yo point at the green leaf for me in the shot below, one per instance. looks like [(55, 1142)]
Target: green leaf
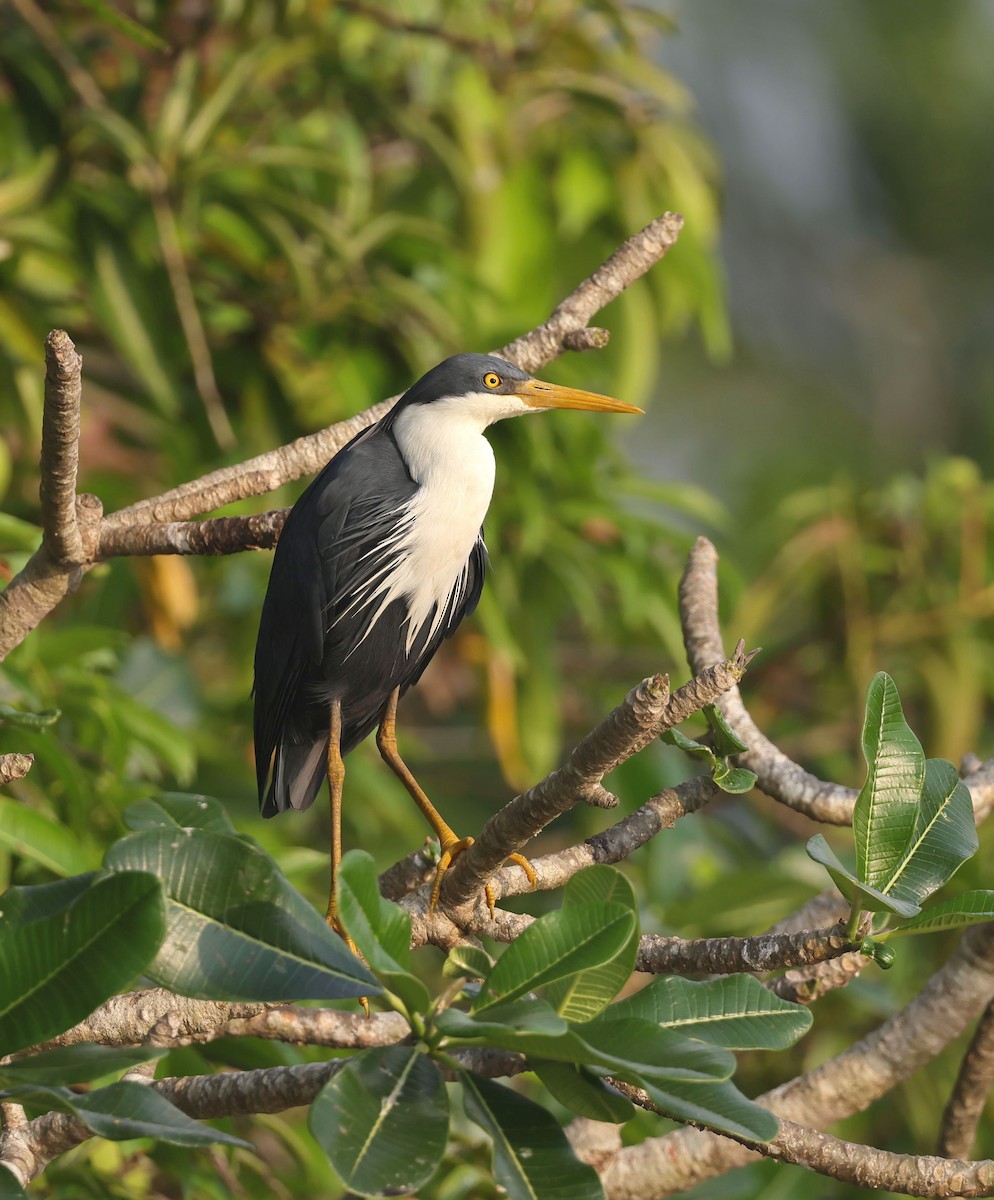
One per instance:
[(19, 905), (734, 780), (236, 928), (470, 962), (172, 810), (557, 946), (383, 1121), (720, 1106), (75, 1064), (675, 738), (28, 720), (528, 1026), (126, 1110), (944, 836), (970, 908), (532, 1158), (581, 1091), (582, 996), (380, 928), (887, 805), (32, 834), (634, 1049), (57, 969), (854, 891), (735, 1011), (724, 739)]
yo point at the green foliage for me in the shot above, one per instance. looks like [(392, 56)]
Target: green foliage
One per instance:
[(913, 822), (203, 911), (723, 744)]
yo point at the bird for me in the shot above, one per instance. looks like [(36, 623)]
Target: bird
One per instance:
[(379, 561)]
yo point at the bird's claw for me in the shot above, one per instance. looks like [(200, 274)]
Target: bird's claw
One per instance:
[(448, 855)]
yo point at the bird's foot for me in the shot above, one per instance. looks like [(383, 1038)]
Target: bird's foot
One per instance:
[(331, 919), (450, 850)]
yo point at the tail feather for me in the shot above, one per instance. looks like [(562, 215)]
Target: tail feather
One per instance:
[(298, 772)]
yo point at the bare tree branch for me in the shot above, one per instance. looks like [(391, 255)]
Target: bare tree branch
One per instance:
[(969, 1096), (727, 955), (646, 712), (779, 776)]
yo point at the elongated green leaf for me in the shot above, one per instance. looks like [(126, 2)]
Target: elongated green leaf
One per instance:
[(726, 741), (236, 928), (581, 1091), (125, 1110), (41, 838), (383, 1121), (582, 996), (720, 1106), (172, 810), (675, 738), (885, 811), (381, 929), (28, 720), (631, 1046), (532, 1158), (943, 838), (970, 908), (736, 1012), (18, 905), (57, 969), (847, 883), (557, 946), (504, 1024), (75, 1064)]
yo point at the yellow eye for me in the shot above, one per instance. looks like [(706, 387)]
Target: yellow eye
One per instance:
[(491, 380)]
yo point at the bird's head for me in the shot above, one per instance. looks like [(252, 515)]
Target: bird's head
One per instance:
[(489, 389)]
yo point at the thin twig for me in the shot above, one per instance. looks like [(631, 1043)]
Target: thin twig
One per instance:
[(60, 449)]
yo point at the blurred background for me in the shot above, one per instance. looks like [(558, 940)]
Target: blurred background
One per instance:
[(255, 218)]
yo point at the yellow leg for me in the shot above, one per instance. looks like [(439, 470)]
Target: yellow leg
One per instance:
[(336, 784), (451, 844)]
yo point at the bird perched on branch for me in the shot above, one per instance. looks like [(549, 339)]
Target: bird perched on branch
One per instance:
[(379, 560)]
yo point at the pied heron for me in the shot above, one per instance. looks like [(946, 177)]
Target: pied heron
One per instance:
[(379, 560)]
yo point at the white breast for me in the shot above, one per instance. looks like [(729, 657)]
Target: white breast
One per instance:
[(453, 464)]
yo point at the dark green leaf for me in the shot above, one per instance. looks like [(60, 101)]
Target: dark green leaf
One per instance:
[(675, 738), (720, 1106), (735, 1011), (944, 836), (970, 908), (557, 946), (236, 928), (18, 905), (847, 883), (75, 1064), (381, 929), (532, 1158), (57, 969), (582, 996), (630, 1047), (10, 1189), (171, 810), (887, 805), (724, 739), (581, 1091), (383, 1121)]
